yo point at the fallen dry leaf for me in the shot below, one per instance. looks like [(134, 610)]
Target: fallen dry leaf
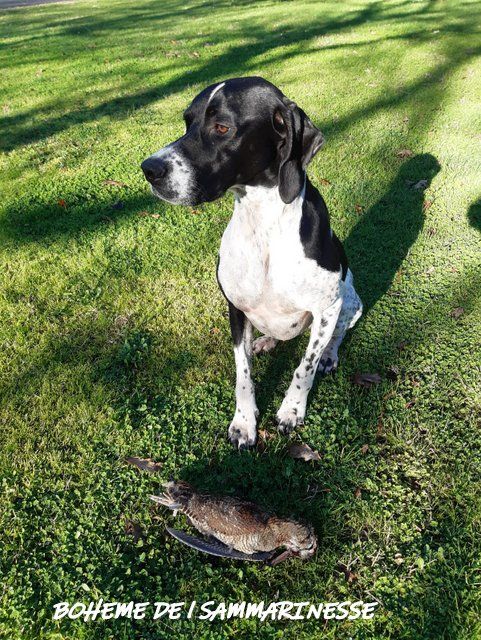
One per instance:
[(133, 529), (303, 452), (404, 153), (427, 204), (61, 203), (196, 54), (113, 183), (144, 464), (325, 182), (457, 312), (357, 493), (366, 379), (430, 270), (358, 208), (348, 574), (195, 211), (364, 449), (265, 435)]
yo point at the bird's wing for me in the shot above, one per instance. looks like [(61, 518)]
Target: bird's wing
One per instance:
[(228, 516), (216, 548)]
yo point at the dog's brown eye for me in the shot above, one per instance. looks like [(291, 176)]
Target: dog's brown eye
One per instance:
[(220, 128), (279, 119)]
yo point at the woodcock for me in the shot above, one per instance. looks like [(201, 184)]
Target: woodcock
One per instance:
[(236, 528)]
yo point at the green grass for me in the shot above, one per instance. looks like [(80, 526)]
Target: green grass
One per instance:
[(115, 341)]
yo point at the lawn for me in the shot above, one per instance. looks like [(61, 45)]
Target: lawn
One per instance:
[(115, 340)]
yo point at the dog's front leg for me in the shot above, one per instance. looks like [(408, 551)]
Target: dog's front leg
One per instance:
[(293, 407), (242, 431)]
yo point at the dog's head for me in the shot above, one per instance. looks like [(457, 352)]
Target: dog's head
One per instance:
[(243, 131)]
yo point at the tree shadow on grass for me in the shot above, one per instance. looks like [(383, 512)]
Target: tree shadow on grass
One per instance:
[(18, 4), (28, 220), (18, 129), (474, 215)]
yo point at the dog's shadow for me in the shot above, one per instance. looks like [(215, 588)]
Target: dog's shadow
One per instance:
[(376, 248)]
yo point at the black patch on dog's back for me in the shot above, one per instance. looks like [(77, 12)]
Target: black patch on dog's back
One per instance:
[(315, 231)]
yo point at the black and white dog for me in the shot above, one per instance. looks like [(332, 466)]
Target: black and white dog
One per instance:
[(281, 267)]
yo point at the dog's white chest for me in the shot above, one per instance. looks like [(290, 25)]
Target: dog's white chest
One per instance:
[(263, 269)]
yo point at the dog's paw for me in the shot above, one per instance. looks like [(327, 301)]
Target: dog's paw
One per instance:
[(288, 418), (327, 365), (264, 344), (242, 433)]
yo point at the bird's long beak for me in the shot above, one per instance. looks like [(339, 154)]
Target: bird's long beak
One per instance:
[(288, 553)]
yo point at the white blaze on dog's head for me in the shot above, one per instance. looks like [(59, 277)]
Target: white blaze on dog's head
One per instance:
[(215, 90)]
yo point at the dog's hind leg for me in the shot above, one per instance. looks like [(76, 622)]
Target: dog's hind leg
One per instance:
[(350, 313), (263, 344)]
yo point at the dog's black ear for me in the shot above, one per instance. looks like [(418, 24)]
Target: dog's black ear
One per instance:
[(299, 143)]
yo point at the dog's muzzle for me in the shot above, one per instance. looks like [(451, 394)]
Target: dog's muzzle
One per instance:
[(170, 175)]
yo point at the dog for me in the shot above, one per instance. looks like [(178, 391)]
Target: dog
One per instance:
[(281, 268)]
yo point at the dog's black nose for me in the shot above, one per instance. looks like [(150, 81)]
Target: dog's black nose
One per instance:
[(155, 169)]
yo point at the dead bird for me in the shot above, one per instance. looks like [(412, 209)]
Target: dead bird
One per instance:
[(236, 528)]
